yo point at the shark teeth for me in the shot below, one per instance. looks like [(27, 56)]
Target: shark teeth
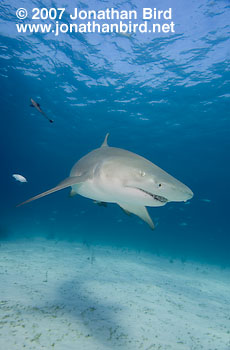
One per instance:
[(155, 196), (160, 198)]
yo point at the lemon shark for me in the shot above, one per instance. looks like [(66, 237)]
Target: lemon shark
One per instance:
[(114, 175)]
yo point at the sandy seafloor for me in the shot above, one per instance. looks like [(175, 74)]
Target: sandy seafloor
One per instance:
[(70, 296)]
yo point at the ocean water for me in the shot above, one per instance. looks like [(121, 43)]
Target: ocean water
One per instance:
[(165, 96)]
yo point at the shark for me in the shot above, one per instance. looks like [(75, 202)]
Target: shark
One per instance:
[(115, 175)]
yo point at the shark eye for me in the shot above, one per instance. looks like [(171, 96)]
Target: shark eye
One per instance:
[(142, 173), (159, 185)]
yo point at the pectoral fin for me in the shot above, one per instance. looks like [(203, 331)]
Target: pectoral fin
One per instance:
[(70, 181), (125, 211), (138, 210)]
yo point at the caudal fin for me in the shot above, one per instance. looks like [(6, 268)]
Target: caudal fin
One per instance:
[(73, 180)]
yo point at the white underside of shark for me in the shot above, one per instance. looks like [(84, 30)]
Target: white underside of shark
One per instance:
[(114, 175)]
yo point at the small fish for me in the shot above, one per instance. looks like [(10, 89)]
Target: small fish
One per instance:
[(183, 224), (38, 108), (101, 204), (206, 200), (125, 34), (20, 178)]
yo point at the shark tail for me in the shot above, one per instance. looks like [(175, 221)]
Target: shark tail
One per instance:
[(70, 181)]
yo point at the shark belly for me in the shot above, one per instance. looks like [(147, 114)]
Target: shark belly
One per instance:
[(114, 192), (89, 190)]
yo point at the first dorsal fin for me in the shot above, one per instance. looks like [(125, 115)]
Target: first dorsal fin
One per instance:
[(105, 144)]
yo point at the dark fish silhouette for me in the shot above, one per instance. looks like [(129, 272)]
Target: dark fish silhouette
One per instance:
[(38, 108)]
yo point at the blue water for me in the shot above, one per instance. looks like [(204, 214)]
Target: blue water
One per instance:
[(163, 96)]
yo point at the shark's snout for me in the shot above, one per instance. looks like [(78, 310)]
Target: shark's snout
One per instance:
[(182, 194), (187, 195), (190, 194)]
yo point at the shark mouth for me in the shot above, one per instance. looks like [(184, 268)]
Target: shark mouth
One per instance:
[(155, 196)]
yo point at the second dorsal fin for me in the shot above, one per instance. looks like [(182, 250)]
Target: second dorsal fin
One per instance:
[(105, 144)]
